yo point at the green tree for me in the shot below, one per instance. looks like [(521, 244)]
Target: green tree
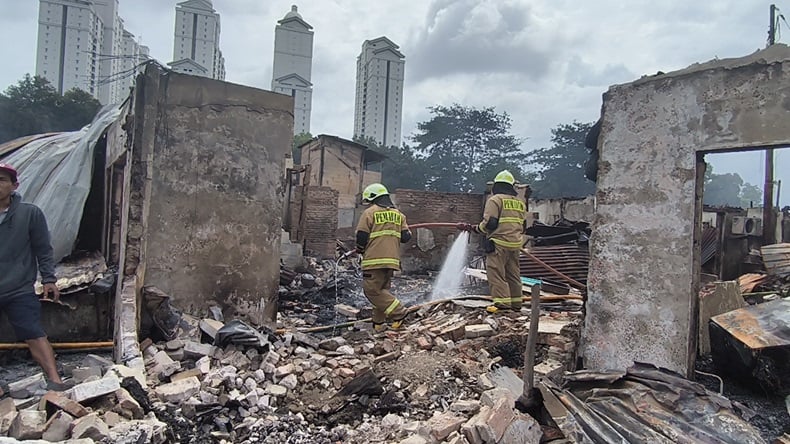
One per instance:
[(729, 190), (33, 106), (299, 140), (402, 168), (560, 168), (463, 146)]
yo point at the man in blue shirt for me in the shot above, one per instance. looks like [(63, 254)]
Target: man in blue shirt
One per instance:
[(26, 251)]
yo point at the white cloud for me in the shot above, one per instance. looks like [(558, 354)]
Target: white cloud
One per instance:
[(543, 61)]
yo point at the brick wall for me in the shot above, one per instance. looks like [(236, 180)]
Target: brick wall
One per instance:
[(319, 221), (429, 247)]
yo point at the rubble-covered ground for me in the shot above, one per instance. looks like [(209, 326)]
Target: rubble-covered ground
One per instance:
[(324, 377)]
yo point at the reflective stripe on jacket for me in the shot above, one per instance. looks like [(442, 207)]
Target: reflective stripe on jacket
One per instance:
[(385, 226), (511, 213)]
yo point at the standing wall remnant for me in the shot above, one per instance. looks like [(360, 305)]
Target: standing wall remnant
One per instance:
[(643, 282), (207, 192), (429, 247)]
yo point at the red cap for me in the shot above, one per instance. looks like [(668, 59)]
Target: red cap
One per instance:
[(10, 170)]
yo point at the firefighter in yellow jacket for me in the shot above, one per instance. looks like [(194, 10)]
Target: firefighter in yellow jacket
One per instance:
[(503, 225), (381, 230)]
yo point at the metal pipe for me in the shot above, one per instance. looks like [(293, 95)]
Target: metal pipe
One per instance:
[(532, 341), (60, 345)]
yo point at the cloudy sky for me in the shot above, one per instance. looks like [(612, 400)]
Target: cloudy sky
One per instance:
[(544, 62)]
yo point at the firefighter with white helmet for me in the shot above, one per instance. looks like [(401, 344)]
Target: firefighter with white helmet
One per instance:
[(381, 230)]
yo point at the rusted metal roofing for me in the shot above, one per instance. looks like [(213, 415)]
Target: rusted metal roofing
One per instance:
[(570, 259), (759, 326), (644, 404)]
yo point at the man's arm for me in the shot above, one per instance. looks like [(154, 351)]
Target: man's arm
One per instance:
[(490, 218), (42, 247), (405, 233), (363, 232)]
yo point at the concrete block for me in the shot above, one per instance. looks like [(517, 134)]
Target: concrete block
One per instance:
[(27, 387), (7, 407), (284, 370), (173, 345), (97, 361), (471, 428), (127, 406), (94, 389), (523, 430), (52, 402), (469, 407), (186, 374), (346, 350), (499, 419), (332, 344), (478, 331), (164, 365), (6, 420), (347, 311), (90, 426), (122, 371), (81, 374), (56, 428), (387, 357), (197, 350), (179, 391), (28, 424), (210, 327), (726, 297), (276, 390), (112, 419), (490, 397), (290, 382), (441, 425), (203, 364), (306, 340), (550, 369)]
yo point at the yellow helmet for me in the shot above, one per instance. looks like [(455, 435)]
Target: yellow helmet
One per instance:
[(506, 177), (373, 191)]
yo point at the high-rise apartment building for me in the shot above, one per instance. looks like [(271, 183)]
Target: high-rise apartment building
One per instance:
[(379, 97), (196, 44), (69, 38), (293, 64), (82, 44)]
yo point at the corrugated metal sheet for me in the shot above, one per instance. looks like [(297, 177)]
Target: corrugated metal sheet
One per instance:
[(13, 145), (710, 243), (759, 326), (55, 174), (572, 260), (645, 404)]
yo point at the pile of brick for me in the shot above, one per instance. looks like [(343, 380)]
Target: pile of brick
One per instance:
[(295, 388)]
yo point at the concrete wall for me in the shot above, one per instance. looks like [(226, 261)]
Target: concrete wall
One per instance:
[(340, 166), (210, 170), (643, 280), (429, 247), (552, 210)]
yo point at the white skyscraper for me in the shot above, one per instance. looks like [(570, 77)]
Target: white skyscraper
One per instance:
[(81, 44), (196, 44), (379, 98), (293, 62), (69, 39), (108, 54)]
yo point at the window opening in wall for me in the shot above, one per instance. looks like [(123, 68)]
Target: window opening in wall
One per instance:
[(743, 208)]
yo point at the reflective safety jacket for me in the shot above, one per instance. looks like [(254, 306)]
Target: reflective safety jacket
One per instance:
[(503, 221), (386, 226)]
